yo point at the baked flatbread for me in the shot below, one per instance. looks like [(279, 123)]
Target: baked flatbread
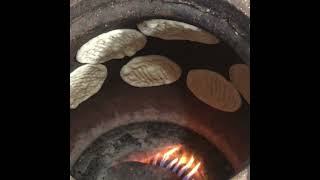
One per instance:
[(114, 44), (214, 90), (240, 78), (174, 30), (151, 70), (86, 81)]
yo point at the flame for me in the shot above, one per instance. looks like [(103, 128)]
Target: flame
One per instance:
[(177, 162), (192, 172), (167, 155), (186, 167), (170, 152), (182, 160), (172, 163), (156, 159)]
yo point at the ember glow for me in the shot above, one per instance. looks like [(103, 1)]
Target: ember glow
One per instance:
[(177, 161)]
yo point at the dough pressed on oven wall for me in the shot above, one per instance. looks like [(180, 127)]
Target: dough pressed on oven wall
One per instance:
[(240, 77), (114, 44), (150, 70), (86, 81), (174, 30), (214, 90)]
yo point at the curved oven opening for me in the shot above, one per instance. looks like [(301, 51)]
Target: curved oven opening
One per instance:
[(118, 104)]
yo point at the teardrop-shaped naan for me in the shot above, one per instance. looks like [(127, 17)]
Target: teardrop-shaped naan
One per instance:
[(86, 81), (240, 77), (214, 90), (174, 30), (151, 70), (114, 44)]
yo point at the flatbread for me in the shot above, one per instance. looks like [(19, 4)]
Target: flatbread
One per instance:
[(214, 90), (240, 78), (174, 30), (151, 70), (114, 44), (86, 81)]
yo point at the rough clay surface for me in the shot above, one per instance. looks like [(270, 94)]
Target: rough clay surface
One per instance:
[(114, 44), (139, 171), (86, 81), (174, 30), (240, 77), (214, 90), (151, 70)]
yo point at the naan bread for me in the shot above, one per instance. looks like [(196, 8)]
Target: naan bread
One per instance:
[(151, 70), (86, 81), (240, 78), (114, 44), (174, 30), (214, 90)]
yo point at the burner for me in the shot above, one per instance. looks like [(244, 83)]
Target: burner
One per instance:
[(150, 146), (176, 161)]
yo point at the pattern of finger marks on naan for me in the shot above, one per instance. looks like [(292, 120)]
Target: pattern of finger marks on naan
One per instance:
[(114, 44), (214, 90), (86, 81), (174, 30), (151, 70), (240, 78)]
